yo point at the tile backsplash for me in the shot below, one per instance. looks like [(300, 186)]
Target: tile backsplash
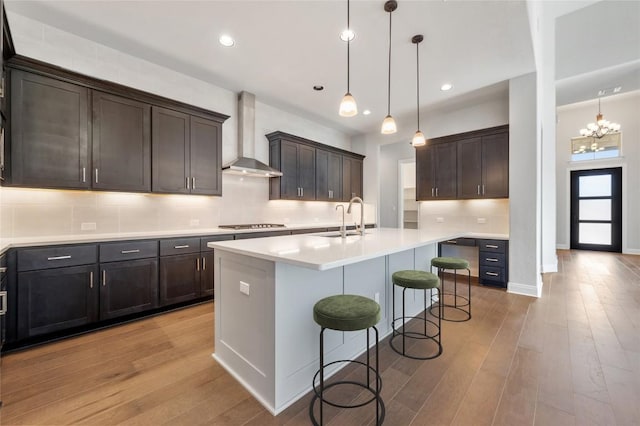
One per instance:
[(482, 216), (43, 212)]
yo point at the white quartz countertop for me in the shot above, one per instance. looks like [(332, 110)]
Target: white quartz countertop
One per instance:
[(7, 243), (319, 252)]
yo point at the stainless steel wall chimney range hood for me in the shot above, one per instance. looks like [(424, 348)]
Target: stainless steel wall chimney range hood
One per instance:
[(245, 165)]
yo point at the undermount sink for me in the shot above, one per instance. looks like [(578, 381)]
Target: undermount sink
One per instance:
[(348, 234)]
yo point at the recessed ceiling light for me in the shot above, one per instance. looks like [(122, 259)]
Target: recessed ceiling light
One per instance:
[(446, 86), (347, 35), (602, 92), (617, 89), (226, 40), (318, 87), (366, 112)]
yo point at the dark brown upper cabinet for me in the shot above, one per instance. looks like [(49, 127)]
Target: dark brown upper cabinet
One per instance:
[(71, 131), (351, 178), (311, 170), (187, 153), (483, 166), (328, 176), (436, 171), (49, 139), (121, 144)]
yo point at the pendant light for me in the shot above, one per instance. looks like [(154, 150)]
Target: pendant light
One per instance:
[(348, 107), (418, 138), (389, 124)]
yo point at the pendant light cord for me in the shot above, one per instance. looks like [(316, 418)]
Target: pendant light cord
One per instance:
[(389, 74), (348, 44), (418, 82)]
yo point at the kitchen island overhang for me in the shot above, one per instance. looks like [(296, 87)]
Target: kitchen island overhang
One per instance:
[(265, 290)]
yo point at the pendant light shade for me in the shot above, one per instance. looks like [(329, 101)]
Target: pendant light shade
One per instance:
[(348, 107), (389, 124), (418, 138)]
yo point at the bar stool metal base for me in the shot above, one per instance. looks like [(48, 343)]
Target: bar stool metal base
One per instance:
[(319, 389), (436, 337), (466, 300)]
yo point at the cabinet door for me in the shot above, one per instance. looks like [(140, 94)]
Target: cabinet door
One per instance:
[(128, 287), (206, 274), (206, 157), (56, 299), (121, 143), (289, 188), (49, 136), (425, 183), (445, 166), (495, 165), (356, 178), (179, 278), (307, 172), (170, 159), (470, 168), (328, 176)]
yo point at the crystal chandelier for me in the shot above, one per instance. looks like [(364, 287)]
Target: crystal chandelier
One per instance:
[(600, 128)]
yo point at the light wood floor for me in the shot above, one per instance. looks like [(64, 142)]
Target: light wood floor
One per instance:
[(570, 357)]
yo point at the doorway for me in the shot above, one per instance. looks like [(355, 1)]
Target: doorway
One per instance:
[(408, 206), (596, 209)]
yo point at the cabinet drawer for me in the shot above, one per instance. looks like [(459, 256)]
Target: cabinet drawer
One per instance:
[(205, 240), (128, 251), (496, 246), (496, 260), (488, 273), (179, 246), (56, 257)]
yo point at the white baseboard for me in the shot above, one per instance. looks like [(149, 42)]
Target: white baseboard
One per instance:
[(550, 267), (525, 289), (631, 251), (562, 246)]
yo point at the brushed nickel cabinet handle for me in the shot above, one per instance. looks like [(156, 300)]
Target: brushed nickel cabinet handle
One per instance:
[(104, 277), (478, 189), (130, 251), (3, 295), (482, 189), (302, 192), (193, 183), (187, 182), (452, 242), (3, 269), (96, 175), (204, 263), (84, 174), (493, 274), (436, 191), (491, 246), (491, 259), (432, 195), (198, 264), (91, 279), (58, 257), (181, 247)]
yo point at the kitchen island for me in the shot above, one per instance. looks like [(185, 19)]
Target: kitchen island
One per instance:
[(265, 290)]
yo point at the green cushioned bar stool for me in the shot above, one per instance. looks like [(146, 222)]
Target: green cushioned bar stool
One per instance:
[(347, 312), (418, 280), (459, 309)]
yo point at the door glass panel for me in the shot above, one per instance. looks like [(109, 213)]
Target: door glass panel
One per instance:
[(595, 209), (595, 233), (595, 186)]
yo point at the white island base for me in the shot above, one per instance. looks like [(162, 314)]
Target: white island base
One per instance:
[(267, 339)]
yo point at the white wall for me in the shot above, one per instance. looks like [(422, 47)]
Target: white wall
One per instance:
[(32, 212), (625, 110)]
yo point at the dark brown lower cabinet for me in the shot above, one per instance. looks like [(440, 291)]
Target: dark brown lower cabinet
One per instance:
[(206, 274), (128, 287), (56, 299), (179, 278)]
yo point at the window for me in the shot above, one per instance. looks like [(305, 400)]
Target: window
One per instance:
[(587, 148)]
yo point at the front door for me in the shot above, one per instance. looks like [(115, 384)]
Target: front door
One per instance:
[(596, 209)]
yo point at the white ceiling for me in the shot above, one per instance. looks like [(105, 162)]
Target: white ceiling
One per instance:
[(283, 48)]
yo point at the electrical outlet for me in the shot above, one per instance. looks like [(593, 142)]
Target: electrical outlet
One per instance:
[(88, 226), (194, 222), (482, 220), (376, 297), (244, 288), (440, 219)]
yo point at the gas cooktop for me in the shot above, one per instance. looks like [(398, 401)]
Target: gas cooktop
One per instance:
[(253, 226)]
